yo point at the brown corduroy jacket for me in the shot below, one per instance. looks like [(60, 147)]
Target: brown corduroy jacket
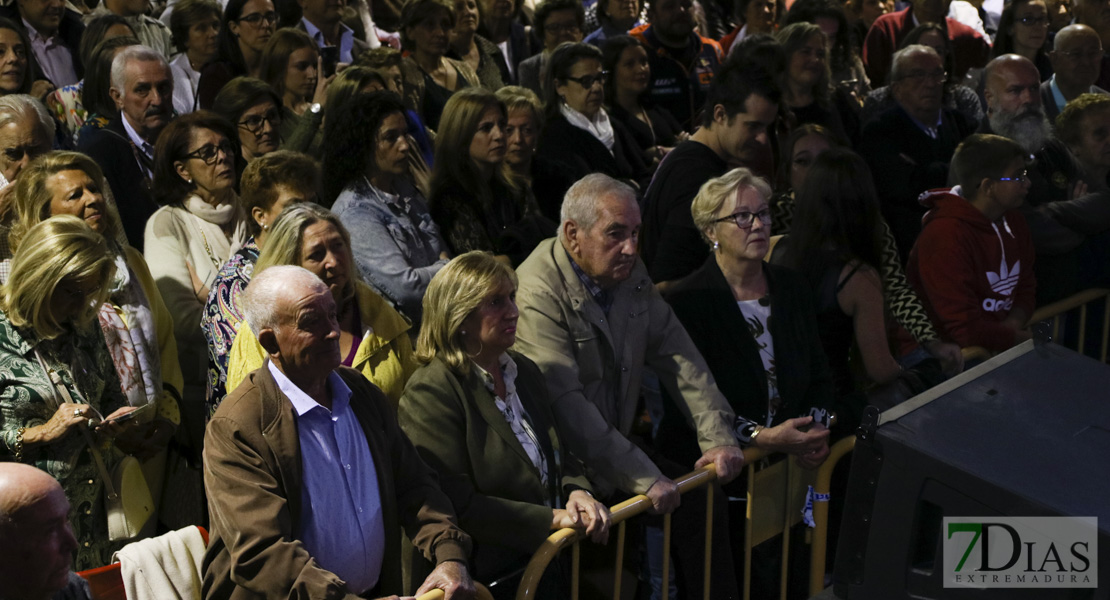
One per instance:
[(253, 474)]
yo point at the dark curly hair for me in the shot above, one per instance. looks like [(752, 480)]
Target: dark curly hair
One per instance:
[(351, 131)]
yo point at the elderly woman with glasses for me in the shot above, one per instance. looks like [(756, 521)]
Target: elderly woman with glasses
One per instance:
[(755, 325), (62, 272), (579, 135), (199, 226), (255, 110), (373, 336), (479, 414)]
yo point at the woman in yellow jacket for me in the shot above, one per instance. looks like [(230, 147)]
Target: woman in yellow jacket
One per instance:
[(373, 336)]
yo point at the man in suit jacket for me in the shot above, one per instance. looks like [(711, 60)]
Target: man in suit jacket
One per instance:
[(969, 48), (276, 449), (55, 34), (592, 320), (124, 149), (1076, 60), (323, 22), (908, 147)]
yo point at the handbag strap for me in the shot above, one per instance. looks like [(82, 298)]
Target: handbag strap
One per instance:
[(60, 388)]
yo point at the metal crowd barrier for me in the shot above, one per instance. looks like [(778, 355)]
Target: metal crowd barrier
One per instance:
[(621, 513), (1055, 313)]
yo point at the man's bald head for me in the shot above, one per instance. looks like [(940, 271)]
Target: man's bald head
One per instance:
[(1076, 59), (36, 540)]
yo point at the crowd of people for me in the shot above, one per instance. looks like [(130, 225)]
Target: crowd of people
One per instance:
[(382, 293)]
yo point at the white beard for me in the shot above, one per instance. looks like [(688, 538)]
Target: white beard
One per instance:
[(1029, 129)]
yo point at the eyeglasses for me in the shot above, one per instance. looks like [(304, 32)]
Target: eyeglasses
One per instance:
[(588, 81), (1033, 21), (254, 18), (209, 152), (923, 76), (255, 123), (1019, 178), (561, 28), (745, 219), (1088, 54)]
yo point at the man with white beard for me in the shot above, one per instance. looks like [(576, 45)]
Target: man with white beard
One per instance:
[(1070, 228)]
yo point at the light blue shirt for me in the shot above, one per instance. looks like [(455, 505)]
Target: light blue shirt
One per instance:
[(341, 523), (346, 39)]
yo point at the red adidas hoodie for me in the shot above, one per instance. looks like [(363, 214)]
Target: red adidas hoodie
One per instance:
[(970, 273)]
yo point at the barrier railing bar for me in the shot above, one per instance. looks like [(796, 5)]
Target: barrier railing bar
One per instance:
[(708, 538), (821, 514), (1082, 327), (575, 562), (666, 556), (1106, 329), (618, 569)]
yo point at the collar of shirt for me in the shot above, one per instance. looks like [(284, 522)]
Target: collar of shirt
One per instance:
[(508, 374), (1057, 95), (136, 139), (302, 402), (346, 39), (36, 37), (932, 131), (603, 297)]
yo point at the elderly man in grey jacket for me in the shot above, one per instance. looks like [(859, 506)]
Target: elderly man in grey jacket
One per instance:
[(592, 320)]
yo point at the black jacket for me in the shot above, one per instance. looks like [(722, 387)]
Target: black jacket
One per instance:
[(580, 153), (111, 148), (704, 303)]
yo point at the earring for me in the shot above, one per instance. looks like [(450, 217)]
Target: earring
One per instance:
[(462, 331), (716, 246)]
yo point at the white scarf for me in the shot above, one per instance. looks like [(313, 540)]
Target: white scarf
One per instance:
[(600, 127), (220, 215)]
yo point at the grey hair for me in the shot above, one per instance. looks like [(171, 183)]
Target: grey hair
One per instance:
[(581, 202), (261, 309), (129, 54), (16, 108), (900, 57)]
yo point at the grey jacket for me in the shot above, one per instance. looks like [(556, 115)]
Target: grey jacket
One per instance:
[(396, 244), (593, 365)]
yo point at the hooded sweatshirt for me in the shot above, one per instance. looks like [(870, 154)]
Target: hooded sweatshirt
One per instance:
[(971, 273)]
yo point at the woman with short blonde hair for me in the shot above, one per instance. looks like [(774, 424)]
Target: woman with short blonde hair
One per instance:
[(373, 336), (478, 413)]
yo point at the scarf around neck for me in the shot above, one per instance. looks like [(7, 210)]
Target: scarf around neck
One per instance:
[(599, 127)]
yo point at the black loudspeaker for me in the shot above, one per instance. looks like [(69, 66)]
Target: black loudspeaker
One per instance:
[(1026, 434)]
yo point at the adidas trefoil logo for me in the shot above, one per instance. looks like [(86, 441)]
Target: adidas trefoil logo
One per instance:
[(1002, 283)]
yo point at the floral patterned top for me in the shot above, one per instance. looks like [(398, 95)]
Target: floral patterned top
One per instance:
[(82, 361), (222, 316), (68, 109)]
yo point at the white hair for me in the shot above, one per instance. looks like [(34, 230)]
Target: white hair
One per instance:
[(900, 57), (21, 107), (581, 204), (261, 308), (133, 54)]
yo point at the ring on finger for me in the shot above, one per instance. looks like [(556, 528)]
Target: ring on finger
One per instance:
[(77, 412)]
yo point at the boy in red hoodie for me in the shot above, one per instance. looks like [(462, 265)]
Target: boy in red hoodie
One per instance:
[(973, 262)]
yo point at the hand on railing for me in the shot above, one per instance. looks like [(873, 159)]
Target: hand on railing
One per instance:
[(664, 496), (586, 513), (729, 461), (453, 578)]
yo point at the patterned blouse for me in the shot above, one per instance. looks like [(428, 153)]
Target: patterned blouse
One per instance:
[(82, 361), (222, 316)]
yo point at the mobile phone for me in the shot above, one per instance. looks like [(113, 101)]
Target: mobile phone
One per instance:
[(330, 56), (143, 414)]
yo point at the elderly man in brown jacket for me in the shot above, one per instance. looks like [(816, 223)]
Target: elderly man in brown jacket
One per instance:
[(592, 320), (309, 477)]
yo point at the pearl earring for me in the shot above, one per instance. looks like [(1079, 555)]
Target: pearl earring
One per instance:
[(716, 246), (462, 331)]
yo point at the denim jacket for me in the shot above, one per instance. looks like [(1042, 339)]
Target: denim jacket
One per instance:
[(396, 244)]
